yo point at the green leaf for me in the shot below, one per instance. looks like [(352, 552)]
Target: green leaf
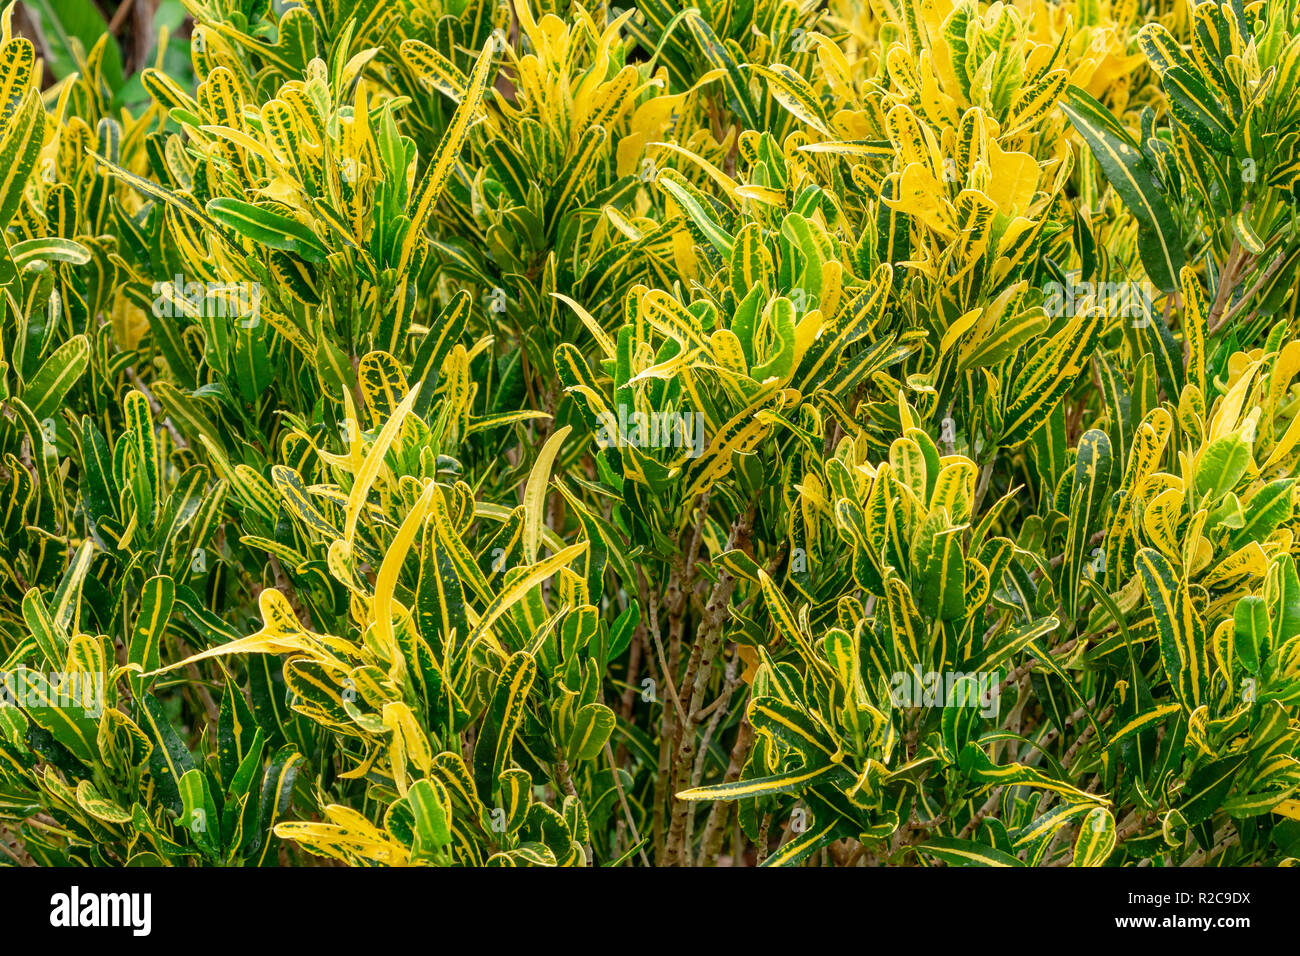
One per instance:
[(592, 727), (796, 780), (1088, 497), (267, 228), (49, 249), (956, 852), (1096, 839), (695, 211), (156, 602), (19, 149), (199, 813), (432, 816), (1250, 629), (1207, 788), (169, 760), (1221, 466), (1181, 630), (56, 376), (504, 714), (1196, 108), (1134, 179)]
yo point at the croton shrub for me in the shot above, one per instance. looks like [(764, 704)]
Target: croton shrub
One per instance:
[(524, 433)]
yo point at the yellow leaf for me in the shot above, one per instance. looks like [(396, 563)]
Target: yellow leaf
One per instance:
[(535, 493), (921, 195), (1013, 179), (958, 329)]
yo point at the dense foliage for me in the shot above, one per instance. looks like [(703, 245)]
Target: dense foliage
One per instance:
[(511, 432)]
